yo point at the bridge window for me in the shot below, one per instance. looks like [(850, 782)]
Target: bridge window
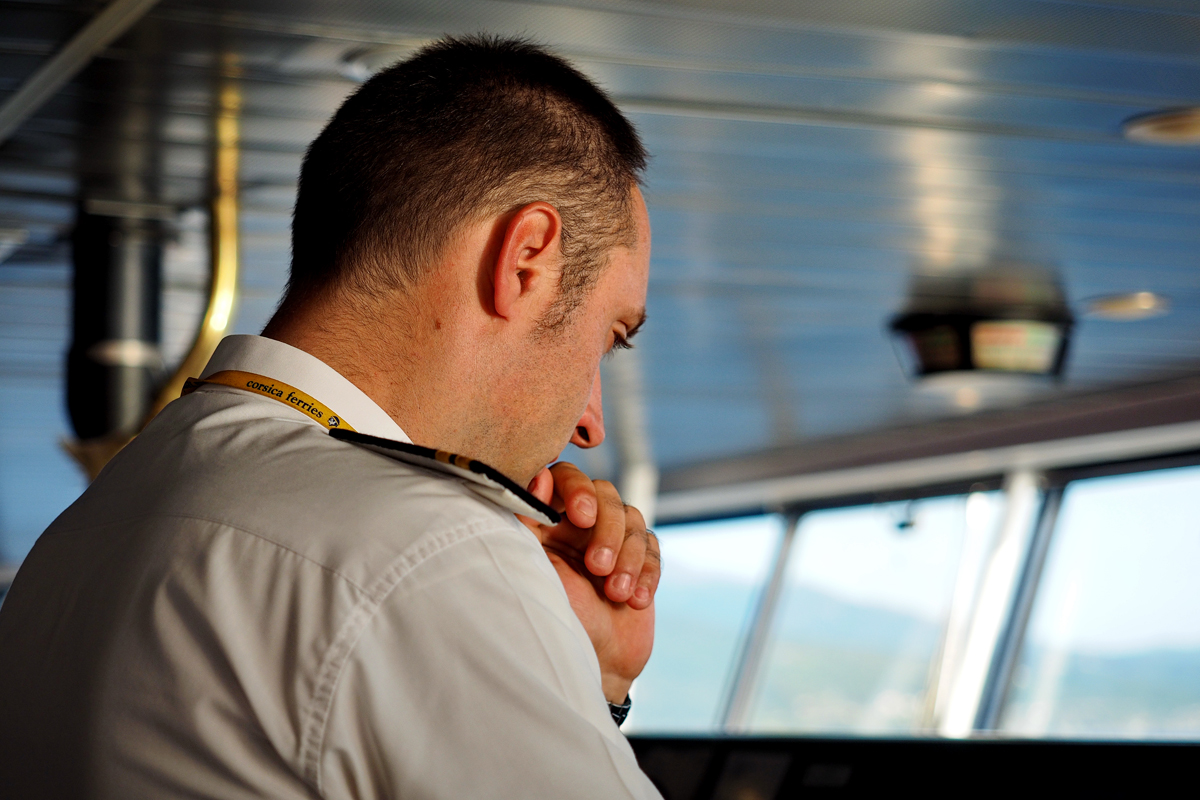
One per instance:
[(865, 613), (712, 575), (1113, 643)]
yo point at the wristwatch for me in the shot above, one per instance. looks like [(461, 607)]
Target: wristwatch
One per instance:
[(620, 712)]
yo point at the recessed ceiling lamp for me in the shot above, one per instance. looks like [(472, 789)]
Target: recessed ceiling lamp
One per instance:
[(1174, 126), (1128, 307), (11, 240), (361, 63)]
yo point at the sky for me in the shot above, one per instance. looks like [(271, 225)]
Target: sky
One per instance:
[(1122, 572)]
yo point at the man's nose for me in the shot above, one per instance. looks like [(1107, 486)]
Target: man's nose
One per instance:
[(589, 431)]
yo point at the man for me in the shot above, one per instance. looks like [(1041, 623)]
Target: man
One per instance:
[(272, 592)]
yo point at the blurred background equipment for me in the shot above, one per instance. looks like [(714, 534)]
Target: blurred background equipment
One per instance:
[(1004, 318), (996, 335), (115, 364)]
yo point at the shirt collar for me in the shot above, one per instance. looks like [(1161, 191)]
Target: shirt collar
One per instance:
[(309, 374)]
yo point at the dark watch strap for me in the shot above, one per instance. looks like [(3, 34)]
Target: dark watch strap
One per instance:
[(620, 712)]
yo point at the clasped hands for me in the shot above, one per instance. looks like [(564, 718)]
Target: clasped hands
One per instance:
[(609, 564)]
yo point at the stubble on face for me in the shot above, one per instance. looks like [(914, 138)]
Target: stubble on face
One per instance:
[(528, 395), (564, 363)]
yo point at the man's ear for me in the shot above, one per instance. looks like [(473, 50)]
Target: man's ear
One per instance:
[(526, 272)]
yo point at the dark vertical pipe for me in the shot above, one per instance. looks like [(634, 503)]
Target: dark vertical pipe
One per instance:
[(114, 364)]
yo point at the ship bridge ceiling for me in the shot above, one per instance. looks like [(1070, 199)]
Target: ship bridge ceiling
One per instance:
[(807, 159)]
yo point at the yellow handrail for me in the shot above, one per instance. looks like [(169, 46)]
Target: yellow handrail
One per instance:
[(223, 233)]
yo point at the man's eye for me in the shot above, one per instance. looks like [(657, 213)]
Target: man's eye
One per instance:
[(619, 343)]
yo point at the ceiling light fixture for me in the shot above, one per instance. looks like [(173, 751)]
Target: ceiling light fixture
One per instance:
[(1005, 319), (1128, 307), (1174, 126)]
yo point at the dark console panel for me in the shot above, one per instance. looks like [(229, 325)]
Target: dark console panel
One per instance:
[(759, 768)]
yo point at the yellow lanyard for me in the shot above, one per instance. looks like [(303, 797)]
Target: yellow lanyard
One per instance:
[(276, 390)]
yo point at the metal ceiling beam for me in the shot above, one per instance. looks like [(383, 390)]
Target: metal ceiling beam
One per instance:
[(978, 464), (1079, 415), (66, 64)]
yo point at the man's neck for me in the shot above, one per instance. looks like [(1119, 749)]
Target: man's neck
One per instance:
[(388, 354)]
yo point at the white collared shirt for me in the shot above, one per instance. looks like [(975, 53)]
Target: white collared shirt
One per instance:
[(242, 606)]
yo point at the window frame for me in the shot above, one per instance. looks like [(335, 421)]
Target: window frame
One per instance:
[(1020, 592)]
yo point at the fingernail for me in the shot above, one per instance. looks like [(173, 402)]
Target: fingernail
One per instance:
[(642, 594), (622, 583), (587, 507), (604, 558)]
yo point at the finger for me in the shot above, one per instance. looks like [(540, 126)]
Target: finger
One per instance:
[(621, 583), (542, 486), (608, 534), (577, 494), (647, 582)]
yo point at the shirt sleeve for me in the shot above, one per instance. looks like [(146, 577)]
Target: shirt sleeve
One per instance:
[(474, 679)]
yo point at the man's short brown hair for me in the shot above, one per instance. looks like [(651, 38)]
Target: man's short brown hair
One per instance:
[(465, 129)]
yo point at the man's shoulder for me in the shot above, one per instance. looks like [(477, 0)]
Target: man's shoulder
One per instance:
[(289, 483)]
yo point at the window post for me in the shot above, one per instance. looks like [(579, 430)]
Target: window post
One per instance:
[(993, 605), (735, 711)]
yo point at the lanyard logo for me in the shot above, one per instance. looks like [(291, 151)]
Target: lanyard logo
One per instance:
[(276, 390)]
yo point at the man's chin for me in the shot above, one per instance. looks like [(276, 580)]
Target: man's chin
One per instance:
[(522, 467)]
